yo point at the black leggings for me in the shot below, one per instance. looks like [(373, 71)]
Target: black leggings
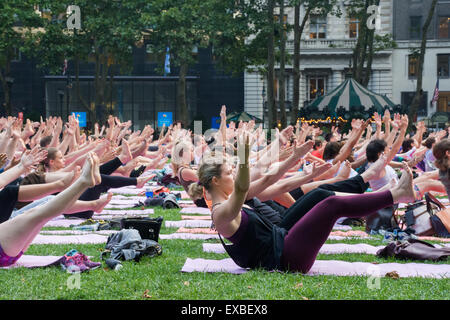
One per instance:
[(306, 202), (8, 200), (94, 193), (111, 166)]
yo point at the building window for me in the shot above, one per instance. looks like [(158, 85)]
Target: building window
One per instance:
[(316, 87), (443, 65), (415, 28), (413, 66), (443, 27), (354, 26), (318, 27)]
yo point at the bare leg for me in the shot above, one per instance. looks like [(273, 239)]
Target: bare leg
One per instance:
[(430, 185), (141, 181), (31, 192), (94, 205), (16, 234), (58, 175), (285, 199)]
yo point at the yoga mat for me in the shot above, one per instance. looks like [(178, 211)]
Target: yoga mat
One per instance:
[(64, 222), (129, 198), (196, 218), (126, 212), (187, 205), (127, 191), (115, 202), (77, 232), (207, 224), (185, 201), (81, 239), (197, 210), (337, 248), (28, 261), (332, 267), (188, 236), (189, 224), (196, 230)]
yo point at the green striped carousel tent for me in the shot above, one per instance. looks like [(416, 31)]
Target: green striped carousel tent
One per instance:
[(350, 94)]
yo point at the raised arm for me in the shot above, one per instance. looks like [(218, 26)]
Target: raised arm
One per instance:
[(227, 215), (278, 172), (400, 138)]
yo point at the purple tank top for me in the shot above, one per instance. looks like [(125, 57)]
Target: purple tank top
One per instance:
[(237, 236)]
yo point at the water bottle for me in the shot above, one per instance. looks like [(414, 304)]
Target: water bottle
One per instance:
[(114, 264), (149, 193), (90, 227)]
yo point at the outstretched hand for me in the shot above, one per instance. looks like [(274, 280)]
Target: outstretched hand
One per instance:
[(300, 150), (31, 158)]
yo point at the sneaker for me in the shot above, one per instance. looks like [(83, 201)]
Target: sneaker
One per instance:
[(73, 265), (83, 259)]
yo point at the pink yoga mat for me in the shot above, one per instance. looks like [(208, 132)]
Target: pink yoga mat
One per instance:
[(337, 248), (81, 239), (332, 267), (189, 224), (27, 261), (126, 212), (196, 210), (196, 218), (64, 222), (77, 232), (188, 236)]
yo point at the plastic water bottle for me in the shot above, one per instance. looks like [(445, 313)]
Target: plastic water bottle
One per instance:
[(114, 264)]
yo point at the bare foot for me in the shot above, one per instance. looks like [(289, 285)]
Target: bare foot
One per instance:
[(344, 173), (141, 181), (404, 191), (87, 174), (331, 172), (375, 170), (97, 176), (102, 202), (125, 155)]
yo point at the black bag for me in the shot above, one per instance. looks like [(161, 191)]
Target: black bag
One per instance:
[(382, 219), (148, 227), (419, 215)]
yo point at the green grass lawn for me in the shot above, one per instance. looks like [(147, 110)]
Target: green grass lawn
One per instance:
[(160, 278)]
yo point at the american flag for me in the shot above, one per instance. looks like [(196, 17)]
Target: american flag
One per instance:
[(436, 92)]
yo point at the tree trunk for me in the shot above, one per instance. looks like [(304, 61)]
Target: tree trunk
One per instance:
[(282, 79), (298, 31), (272, 111), (419, 92), (368, 70), (181, 95), (359, 53)]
